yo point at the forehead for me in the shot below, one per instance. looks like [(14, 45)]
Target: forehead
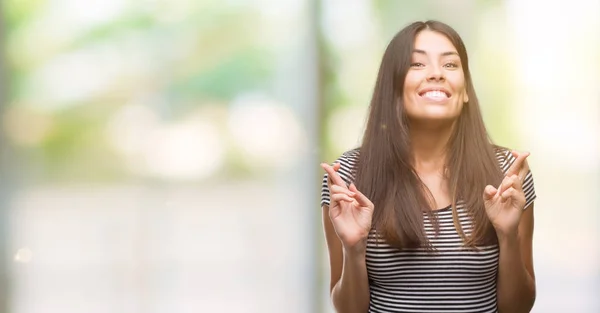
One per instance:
[(433, 42)]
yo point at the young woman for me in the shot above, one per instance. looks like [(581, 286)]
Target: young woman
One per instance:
[(427, 215)]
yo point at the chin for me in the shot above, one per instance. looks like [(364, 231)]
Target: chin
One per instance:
[(434, 119), (436, 115)]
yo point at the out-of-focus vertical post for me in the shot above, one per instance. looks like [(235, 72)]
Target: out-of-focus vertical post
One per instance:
[(316, 34), (5, 178)]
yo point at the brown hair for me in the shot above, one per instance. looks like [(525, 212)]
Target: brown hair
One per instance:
[(385, 173)]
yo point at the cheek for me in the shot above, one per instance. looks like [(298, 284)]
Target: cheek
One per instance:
[(411, 83), (462, 86)]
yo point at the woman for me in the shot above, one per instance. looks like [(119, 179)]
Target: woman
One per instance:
[(428, 215)]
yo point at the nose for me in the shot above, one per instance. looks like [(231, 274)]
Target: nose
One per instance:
[(435, 74)]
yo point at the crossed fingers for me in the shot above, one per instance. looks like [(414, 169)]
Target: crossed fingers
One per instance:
[(519, 166)]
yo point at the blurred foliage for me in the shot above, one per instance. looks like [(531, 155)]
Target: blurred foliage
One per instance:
[(246, 70), (332, 97), (19, 12), (207, 54)]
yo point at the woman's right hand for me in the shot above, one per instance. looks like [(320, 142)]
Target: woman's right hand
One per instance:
[(350, 211)]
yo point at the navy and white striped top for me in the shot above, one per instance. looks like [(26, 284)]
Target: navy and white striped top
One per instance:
[(450, 279)]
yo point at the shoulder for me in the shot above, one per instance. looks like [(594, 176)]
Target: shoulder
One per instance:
[(348, 162), (504, 157), (350, 156)]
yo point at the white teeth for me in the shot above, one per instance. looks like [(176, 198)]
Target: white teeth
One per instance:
[(435, 94)]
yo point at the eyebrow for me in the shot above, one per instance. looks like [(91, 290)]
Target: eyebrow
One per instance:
[(419, 51)]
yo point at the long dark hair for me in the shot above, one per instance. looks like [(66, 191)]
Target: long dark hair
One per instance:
[(385, 172)]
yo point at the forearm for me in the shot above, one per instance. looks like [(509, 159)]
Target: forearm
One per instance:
[(351, 293), (516, 287)]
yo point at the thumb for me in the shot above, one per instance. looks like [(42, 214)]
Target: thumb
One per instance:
[(489, 192)]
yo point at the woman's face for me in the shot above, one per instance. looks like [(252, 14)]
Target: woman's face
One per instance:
[(434, 88)]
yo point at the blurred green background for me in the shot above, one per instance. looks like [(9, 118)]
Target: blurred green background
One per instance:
[(162, 156)]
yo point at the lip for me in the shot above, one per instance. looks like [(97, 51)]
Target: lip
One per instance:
[(442, 89)]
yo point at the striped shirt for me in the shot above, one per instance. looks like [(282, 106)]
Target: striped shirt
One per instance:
[(449, 279)]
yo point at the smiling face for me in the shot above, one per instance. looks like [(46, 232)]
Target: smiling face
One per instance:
[(434, 88)]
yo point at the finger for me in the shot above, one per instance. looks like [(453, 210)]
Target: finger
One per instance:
[(506, 183), (524, 169), (330, 185), (508, 194), (329, 182), (489, 192), (515, 168), (360, 197), (336, 166), (510, 182), (523, 172), (337, 197), (333, 175), (340, 189)]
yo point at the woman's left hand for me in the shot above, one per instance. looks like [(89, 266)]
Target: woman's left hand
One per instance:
[(504, 205)]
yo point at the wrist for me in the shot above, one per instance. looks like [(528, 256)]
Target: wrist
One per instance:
[(358, 250), (354, 259), (510, 237)]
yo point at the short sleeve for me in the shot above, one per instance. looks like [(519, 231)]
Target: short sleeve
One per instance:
[(346, 171), (528, 185)]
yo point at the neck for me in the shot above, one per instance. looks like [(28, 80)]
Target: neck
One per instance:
[(429, 148)]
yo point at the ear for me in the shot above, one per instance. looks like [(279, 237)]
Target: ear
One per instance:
[(465, 96)]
